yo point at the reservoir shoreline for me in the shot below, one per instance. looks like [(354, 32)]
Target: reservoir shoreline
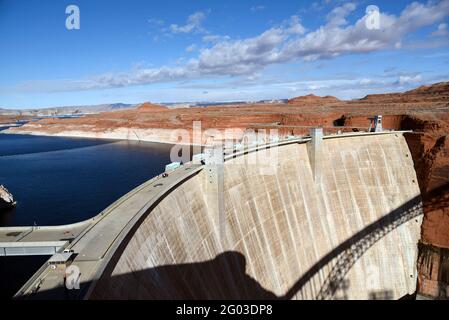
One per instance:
[(154, 135)]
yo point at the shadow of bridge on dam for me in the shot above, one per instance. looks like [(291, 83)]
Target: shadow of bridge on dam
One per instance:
[(225, 277)]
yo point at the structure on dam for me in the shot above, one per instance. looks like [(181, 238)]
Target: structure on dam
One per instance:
[(333, 217)]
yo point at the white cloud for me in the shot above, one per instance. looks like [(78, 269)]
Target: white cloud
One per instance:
[(293, 26), (156, 22), (193, 24), (441, 31), (406, 80), (337, 17), (342, 87), (258, 8), (191, 48), (365, 81), (242, 56), (213, 38), (335, 38), (286, 43)]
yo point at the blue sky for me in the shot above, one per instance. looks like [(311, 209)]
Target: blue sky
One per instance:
[(210, 50)]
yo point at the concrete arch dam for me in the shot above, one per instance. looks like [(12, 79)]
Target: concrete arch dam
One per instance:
[(331, 218)]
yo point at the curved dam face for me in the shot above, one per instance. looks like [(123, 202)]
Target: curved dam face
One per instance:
[(350, 232)]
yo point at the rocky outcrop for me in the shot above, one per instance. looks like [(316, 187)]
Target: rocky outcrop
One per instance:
[(429, 145), (438, 92), (5, 119), (6, 199), (313, 99), (148, 106), (433, 266)]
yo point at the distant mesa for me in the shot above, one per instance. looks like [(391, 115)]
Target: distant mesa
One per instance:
[(148, 106), (312, 99), (436, 88), (437, 92)]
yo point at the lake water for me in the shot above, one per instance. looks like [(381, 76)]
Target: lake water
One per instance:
[(66, 180)]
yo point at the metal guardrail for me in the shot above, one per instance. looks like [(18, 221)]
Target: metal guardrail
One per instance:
[(31, 248)]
